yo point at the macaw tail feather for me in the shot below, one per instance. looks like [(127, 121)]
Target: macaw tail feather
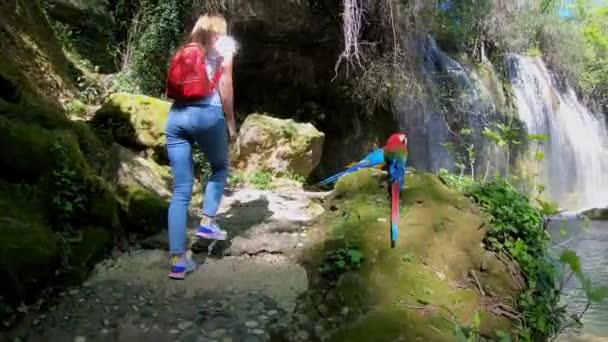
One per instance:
[(395, 190), (340, 174)]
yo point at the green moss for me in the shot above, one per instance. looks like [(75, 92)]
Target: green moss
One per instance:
[(31, 55), (28, 248), (36, 116), (103, 206), (134, 121), (94, 243), (409, 292), (143, 211)]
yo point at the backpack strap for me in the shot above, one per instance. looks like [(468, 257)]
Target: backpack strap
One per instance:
[(216, 76)]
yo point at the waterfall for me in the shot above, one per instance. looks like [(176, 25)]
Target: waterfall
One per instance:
[(575, 167), (455, 98)]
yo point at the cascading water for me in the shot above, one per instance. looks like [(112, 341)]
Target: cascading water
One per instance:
[(456, 99), (575, 167)]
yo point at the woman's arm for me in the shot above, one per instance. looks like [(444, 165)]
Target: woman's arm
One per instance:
[(227, 96)]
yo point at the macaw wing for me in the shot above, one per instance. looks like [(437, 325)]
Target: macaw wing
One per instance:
[(373, 159)]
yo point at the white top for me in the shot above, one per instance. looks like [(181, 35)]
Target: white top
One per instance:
[(222, 51)]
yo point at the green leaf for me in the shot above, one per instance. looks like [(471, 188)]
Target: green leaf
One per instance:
[(475, 321), (355, 256), (599, 294), (570, 258), (539, 156), (538, 137)]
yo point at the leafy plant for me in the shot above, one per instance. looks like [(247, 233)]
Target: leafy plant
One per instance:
[(261, 180), (76, 108), (201, 165), (69, 200), (339, 261), (518, 229), (504, 136), (235, 178), (295, 177), (153, 30), (468, 333)]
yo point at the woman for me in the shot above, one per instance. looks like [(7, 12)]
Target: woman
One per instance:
[(201, 122)]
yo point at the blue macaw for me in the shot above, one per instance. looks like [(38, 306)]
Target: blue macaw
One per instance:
[(373, 159)]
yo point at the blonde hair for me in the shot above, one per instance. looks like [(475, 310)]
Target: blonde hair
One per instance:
[(207, 26)]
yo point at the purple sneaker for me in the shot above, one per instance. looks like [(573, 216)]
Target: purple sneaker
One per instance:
[(180, 267), (211, 231)]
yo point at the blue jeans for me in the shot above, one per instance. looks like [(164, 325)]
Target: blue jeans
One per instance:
[(204, 125)]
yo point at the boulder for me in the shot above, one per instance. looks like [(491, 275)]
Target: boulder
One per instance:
[(281, 147), (143, 190), (134, 121), (599, 214), (125, 168)]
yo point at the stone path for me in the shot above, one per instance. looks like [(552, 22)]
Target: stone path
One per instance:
[(245, 290)]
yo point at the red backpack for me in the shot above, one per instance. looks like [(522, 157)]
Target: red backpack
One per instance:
[(187, 79)]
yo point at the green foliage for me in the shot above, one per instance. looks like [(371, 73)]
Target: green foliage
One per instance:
[(461, 183), (295, 177), (468, 333), (235, 178), (76, 108), (463, 23), (69, 200), (339, 261), (201, 165), (160, 31), (518, 229), (261, 180)]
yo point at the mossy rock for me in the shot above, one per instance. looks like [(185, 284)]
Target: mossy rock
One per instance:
[(599, 214), (32, 57), (125, 169), (134, 121), (29, 251), (281, 147), (34, 116), (55, 162), (143, 211), (93, 245), (422, 288)]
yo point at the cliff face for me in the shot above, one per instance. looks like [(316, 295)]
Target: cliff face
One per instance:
[(31, 58)]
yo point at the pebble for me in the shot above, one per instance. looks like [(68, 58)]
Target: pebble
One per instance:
[(318, 329), (251, 324), (106, 322), (258, 331), (104, 331), (173, 331), (303, 335), (272, 312), (217, 333), (227, 339), (80, 339), (185, 325), (263, 317), (73, 292)]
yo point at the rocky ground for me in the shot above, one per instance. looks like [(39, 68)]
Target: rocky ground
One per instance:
[(244, 290)]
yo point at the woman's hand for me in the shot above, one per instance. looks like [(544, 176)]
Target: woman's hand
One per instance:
[(231, 133)]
